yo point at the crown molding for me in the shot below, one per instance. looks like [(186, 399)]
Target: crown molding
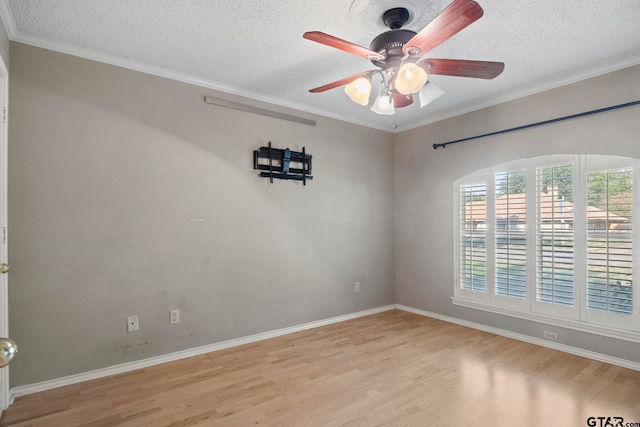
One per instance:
[(180, 77), (553, 83), (7, 19), (556, 82)]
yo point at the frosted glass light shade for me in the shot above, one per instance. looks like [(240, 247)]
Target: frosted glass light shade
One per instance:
[(410, 78), (383, 105), (429, 93), (359, 90)]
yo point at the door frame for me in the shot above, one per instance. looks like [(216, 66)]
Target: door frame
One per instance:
[(5, 396)]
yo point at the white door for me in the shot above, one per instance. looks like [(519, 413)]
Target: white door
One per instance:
[(4, 316)]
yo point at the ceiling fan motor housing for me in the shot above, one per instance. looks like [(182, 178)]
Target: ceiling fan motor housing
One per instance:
[(390, 45), (391, 42)]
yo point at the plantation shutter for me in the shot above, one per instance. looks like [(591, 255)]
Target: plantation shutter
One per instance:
[(610, 241), (555, 234), (511, 234), (473, 237)]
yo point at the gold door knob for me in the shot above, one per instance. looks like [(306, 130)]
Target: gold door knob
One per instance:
[(4, 268)]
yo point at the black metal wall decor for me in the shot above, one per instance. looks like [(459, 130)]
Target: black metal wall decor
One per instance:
[(279, 162)]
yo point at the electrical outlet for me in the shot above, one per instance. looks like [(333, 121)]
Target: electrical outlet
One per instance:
[(132, 324), (357, 289), (174, 317), (552, 336)]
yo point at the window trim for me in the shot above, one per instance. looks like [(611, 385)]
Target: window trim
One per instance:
[(578, 317)]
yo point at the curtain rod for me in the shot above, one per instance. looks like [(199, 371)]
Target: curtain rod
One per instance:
[(545, 122)]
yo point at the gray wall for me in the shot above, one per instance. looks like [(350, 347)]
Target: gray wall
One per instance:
[(129, 195), (424, 186)]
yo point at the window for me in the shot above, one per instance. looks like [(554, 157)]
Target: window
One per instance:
[(554, 234), (551, 238), (511, 233), (473, 258), (609, 238)]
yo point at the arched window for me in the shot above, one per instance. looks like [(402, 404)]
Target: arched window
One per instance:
[(552, 237)]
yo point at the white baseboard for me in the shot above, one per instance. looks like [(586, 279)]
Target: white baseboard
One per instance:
[(526, 338), (152, 361), (183, 354)]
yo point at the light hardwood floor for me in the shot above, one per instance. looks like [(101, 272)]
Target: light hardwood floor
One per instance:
[(389, 369)]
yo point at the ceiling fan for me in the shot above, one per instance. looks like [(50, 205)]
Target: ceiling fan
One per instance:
[(397, 54)]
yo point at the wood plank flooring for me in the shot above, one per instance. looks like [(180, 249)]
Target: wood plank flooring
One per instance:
[(389, 369)]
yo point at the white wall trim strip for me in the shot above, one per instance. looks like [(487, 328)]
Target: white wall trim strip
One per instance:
[(526, 338), (152, 361), (554, 321), (183, 354)]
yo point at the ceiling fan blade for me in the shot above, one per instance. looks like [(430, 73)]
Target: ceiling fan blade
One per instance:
[(457, 16), (400, 100), (338, 83), (349, 47), (462, 68)]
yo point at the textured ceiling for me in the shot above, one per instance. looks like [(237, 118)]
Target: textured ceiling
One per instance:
[(255, 48)]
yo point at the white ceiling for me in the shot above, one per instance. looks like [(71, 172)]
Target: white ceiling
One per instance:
[(255, 48)]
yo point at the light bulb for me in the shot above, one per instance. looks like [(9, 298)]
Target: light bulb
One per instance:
[(383, 105), (359, 90), (410, 78)]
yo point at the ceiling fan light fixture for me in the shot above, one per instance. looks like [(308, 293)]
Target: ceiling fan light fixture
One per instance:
[(397, 53), (359, 90), (410, 78), (429, 93), (383, 105)]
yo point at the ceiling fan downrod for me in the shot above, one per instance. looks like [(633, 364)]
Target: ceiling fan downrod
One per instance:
[(395, 18)]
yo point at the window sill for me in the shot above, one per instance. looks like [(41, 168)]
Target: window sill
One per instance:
[(554, 321)]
